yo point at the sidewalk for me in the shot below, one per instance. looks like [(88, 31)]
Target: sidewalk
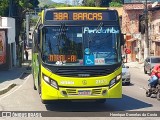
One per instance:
[(14, 77)]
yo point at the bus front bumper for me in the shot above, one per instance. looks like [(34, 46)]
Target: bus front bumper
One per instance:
[(69, 93)]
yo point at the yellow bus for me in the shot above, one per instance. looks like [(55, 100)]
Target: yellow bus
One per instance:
[(77, 54)]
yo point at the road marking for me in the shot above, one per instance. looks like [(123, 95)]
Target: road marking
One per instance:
[(15, 89)]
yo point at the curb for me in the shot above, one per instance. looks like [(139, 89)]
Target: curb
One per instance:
[(12, 85), (3, 91)]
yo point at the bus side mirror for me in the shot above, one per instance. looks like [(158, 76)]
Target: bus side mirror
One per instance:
[(40, 28), (122, 41)]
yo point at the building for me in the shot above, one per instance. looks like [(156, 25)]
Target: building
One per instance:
[(135, 40), (154, 31), (130, 27)]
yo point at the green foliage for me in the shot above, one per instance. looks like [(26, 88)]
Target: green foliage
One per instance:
[(18, 11), (33, 22), (90, 3), (58, 5), (115, 4), (45, 3), (117, 1), (51, 4), (4, 7)]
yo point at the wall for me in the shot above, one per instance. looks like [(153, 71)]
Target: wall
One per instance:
[(155, 31), (10, 23), (130, 27)]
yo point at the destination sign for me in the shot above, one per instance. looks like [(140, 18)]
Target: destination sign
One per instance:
[(80, 15), (67, 58)]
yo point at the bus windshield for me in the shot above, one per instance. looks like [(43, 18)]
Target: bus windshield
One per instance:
[(81, 45)]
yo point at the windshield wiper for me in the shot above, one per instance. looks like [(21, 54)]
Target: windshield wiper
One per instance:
[(90, 38), (99, 26), (61, 35)]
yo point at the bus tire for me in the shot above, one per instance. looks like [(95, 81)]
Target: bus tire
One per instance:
[(40, 92), (34, 86), (39, 85)]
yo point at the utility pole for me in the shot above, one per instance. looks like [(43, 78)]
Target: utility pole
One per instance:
[(10, 8), (27, 29), (146, 41)]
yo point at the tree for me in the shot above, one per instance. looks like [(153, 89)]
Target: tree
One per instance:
[(19, 13), (17, 9), (90, 3), (116, 3), (58, 5), (4, 7)]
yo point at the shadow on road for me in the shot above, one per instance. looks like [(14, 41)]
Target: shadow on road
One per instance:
[(124, 104), (14, 73), (124, 84)]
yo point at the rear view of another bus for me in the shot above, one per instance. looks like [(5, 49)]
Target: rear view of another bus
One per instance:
[(77, 54)]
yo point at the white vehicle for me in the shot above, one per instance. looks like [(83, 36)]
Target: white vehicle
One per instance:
[(126, 76), (150, 62)]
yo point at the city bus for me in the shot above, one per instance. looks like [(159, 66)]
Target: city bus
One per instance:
[(76, 54)]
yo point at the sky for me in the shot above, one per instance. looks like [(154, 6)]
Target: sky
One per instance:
[(63, 1)]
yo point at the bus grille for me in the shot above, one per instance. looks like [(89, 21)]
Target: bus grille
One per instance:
[(71, 92), (83, 72), (97, 91)]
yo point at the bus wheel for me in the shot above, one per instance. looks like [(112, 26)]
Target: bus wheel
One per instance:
[(39, 85), (34, 86), (101, 101)]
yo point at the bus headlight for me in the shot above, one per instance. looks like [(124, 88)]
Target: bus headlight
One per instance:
[(50, 81), (54, 84), (115, 80), (112, 82)]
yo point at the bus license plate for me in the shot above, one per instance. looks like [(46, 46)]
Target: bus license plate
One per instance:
[(84, 92)]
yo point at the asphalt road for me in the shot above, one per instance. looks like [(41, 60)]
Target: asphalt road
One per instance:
[(24, 98)]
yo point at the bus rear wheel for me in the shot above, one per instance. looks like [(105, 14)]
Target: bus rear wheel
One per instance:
[(34, 86)]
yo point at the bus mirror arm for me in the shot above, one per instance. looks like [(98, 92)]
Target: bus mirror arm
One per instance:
[(122, 39), (39, 48)]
